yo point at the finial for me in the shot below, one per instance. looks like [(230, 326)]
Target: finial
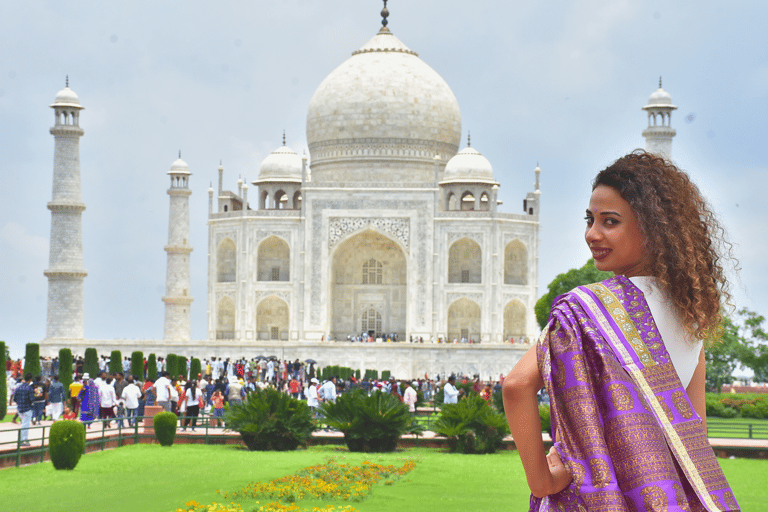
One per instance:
[(283, 137), (220, 163), (659, 82), (179, 153), (67, 81), (468, 140), (384, 14)]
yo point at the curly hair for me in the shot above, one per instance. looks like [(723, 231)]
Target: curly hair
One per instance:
[(683, 240)]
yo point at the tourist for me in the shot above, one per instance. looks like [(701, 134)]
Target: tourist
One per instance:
[(625, 420), (312, 396), (89, 401), (234, 392), (162, 391), (193, 400), (69, 414), (74, 393), (38, 405), (410, 396), (218, 408), (131, 395), (24, 398), (450, 392), (328, 391), (174, 396), (107, 399), (56, 395)]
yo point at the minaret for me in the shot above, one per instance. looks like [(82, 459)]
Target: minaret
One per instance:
[(658, 135), (65, 268), (177, 278)]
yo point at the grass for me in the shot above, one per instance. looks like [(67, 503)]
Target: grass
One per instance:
[(730, 428), (151, 478)]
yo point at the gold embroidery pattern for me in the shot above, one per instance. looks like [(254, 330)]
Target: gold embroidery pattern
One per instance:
[(682, 405), (601, 474), (682, 499), (665, 407), (621, 398), (717, 501), (654, 498), (577, 472), (730, 501), (579, 368), (559, 373), (675, 442)]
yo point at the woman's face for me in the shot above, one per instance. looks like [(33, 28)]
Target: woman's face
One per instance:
[(613, 234)]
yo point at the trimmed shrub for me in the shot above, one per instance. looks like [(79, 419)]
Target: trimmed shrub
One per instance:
[(758, 410), (3, 384), (66, 443), (65, 368), (194, 368), (498, 401), (152, 367), (137, 365), (91, 362), (115, 362), (385, 375), (544, 417), (165, 428), (32, 360), (270, 420), (472, 426), (357, 374), (370, 423), (170, 365)]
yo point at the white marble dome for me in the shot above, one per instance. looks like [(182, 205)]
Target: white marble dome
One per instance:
[(283, 164), (660, 98), (383, 108), (66, 98), (468, 166), (179, 167)]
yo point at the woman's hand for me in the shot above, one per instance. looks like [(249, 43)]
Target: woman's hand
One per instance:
[(561, 478)]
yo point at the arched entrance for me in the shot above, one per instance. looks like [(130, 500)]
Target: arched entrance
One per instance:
[(368, 287), (272, 319), (514, 320), (464, 320)]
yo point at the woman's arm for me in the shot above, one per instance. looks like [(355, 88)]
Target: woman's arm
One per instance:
[(696, 389), (522, 411)]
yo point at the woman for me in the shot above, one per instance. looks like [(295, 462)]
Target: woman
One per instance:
[(89, 401), (192, 395), (623, 360)]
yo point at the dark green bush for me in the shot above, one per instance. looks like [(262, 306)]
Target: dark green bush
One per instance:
[(115, 362), (357, 374), (370, 423), (137, 365), (758, 410), (438, 396), (498, 401), (66, 443), (65, 368), (472, 426), (270, 420), (165, 428), (170, 365), (544, 417), (385, 375), (3, 383), (91, 363), (152, 367), (32, 360), (194, 368)]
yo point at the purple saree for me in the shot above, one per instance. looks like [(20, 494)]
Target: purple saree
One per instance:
[(621, 419)]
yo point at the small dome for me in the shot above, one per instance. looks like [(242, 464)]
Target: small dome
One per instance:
[(660, 99), (66, 98), (468, 166), (282, 165), (179, 167)]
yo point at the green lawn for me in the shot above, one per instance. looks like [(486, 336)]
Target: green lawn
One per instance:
[(152, 478), (736, 428)]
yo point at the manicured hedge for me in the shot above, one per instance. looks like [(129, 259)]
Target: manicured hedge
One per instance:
[(152, 367), (137, 365), (66, 443), (115, 362), (32, 360), (91, 363), (170, 365), (165, 428), (65, 368), (194, 368)]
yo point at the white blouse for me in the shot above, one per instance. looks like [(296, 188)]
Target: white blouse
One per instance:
[(684, 353)]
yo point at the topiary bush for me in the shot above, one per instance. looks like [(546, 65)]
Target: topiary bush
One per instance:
[(165, 427), (270, 420), (137, 365), (385, 375), (91, 362), (3, 383), (370, 423), (194, 368), (115, 362), (757, 410), (170, 365), (152, 367), (66, 443), (65, 368), (32, 360), (472, 426)]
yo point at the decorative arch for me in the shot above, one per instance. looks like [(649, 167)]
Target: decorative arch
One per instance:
[(226, 261), (225, 319), (264, 200), (281, 200), (297, 200), (451, 202), (514, 320), (464, 262), (463, 320), (467, 201), (515, 263), (355, 260), (272, 319), (274, 260), (485, 201)]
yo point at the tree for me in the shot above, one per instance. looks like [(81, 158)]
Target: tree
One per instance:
[(115, 362), (65, 367), (137, 365), (194, 368), (723, 357), (564, 283), (91, 363), (32, 360), (754, 343), (152, 367)]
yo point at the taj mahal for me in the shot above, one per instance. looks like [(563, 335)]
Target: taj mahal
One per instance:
[(387, 232)]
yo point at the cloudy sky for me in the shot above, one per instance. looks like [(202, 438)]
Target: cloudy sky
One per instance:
[(558, 83)]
